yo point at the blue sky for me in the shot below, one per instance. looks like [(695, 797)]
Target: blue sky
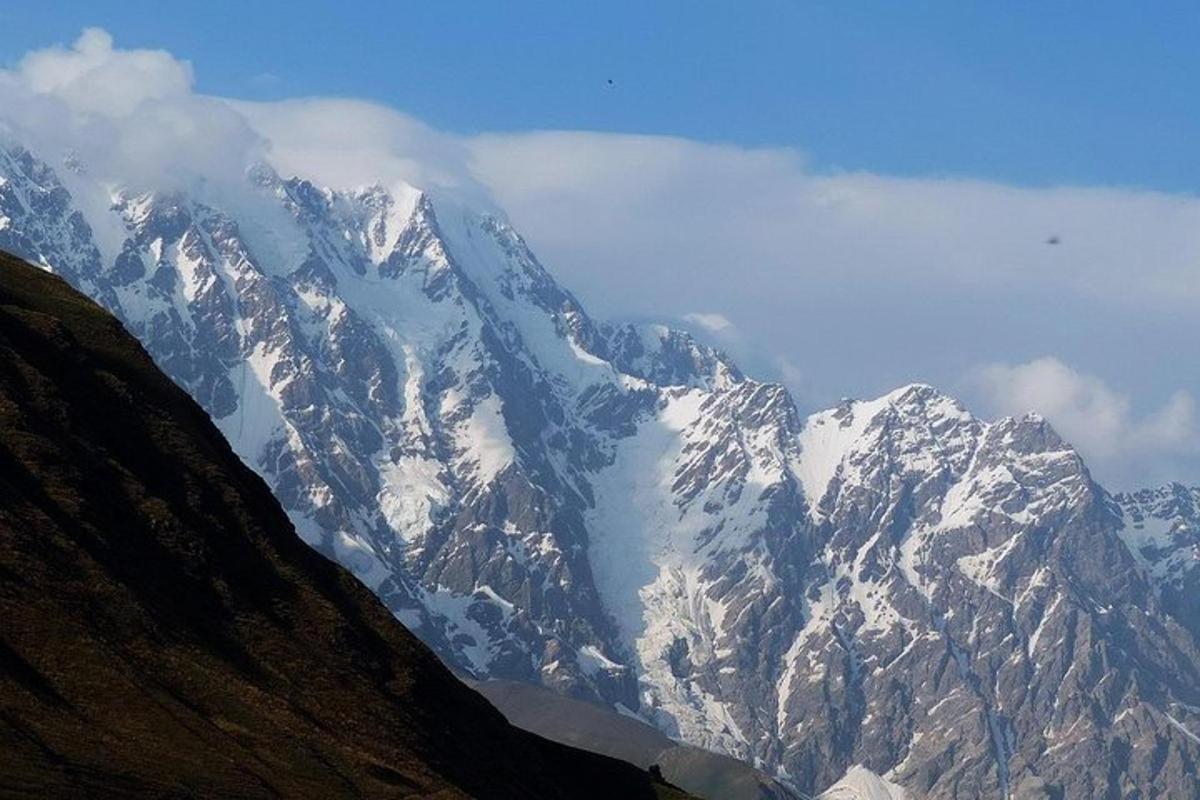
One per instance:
[(1032, 93), (848, 197)]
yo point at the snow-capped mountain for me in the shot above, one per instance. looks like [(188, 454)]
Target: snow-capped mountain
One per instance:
[(618, 513)]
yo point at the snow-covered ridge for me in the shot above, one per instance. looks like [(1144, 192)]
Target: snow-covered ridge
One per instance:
[(859, 783), (617, 512)]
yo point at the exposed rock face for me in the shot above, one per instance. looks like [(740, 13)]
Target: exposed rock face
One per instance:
[(621, 515)]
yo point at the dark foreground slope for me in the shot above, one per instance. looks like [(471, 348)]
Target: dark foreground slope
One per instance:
[(165, 633)]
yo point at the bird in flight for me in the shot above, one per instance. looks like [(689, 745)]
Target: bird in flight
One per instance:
[(1053, 240)]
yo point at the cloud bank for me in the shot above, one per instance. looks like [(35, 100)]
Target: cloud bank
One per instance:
[(838, 283)]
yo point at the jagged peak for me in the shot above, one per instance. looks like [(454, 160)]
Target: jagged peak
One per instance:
[(915, 388), (666, 356), (914, 401), (924, 396), (922, 428)]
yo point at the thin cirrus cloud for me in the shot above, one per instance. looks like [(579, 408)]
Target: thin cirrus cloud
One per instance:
[(837, 283)]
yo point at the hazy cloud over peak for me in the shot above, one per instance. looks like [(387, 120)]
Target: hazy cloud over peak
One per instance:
[(347, 143)]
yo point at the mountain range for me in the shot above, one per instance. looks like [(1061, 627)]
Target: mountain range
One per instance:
[(892, 587)]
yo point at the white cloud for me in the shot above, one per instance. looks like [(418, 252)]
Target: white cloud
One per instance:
[(1097, 419), (93, 77)]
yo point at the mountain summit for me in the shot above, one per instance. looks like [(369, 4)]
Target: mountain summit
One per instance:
[(620, 514)]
